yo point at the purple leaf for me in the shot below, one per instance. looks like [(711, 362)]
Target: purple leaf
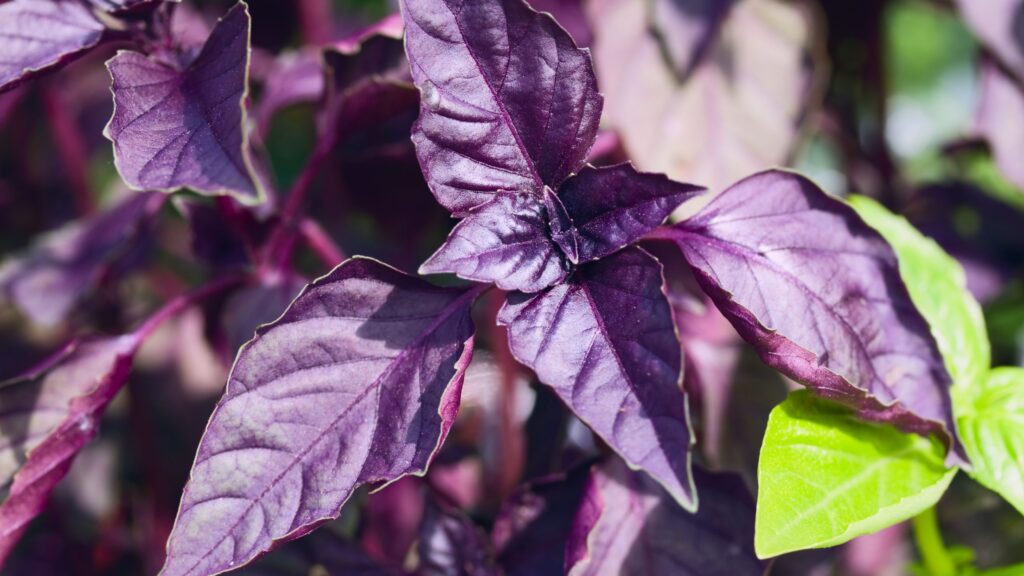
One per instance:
[(613, 207), (606, 343), (999, 24), (323, 552), (258, 304), (451, 545), (128, 6), (819, 295), (36, 35), (357, 383), (533, 527), (64, 265), (505, 241), (508, 100), (1000, 116), (183, 125), (627, 524), (569, 14), (705, 91), (294, 78), (46, 417)]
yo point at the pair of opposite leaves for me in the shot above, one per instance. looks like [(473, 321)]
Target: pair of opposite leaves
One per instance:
[(358, 381)]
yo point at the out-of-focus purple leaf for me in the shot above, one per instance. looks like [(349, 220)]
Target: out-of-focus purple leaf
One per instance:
[(508, 100), (605, 342), (533, 527), (999, 24), (818, 293), (357, 383), (66, 264), (451, 545), (46, 417), (1001, 114), (258, 304), (610, 208), (127, 6), (570, 15), (705, 91), (627, 524), (215, 242), (183, 124), (293, 78), (390, 520), (504, 241), (37, 35)]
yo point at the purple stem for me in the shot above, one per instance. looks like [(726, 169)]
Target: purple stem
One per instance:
[(321, 243), (180, 303), (71, 148), (316, 21)]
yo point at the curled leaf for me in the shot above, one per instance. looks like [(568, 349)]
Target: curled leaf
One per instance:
[(357, 383), (46, 417), (819, 295), (508, 100), (451, 545), (183, 124), (627, 524), (505, 241), (606, 343), (37, 35)]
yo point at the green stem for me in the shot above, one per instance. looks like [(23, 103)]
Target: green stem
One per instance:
[(929, 543), (1015, 570)]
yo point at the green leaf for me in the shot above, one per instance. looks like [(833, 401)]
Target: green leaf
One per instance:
[(825, 476), (992, 429), (938, 287)]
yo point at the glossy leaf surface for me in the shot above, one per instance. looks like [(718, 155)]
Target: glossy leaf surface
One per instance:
[(60, 268), (826, 477), (627, 524), (508, 101), (610, 208), (819, 295), (46, 417), (606, 343), (706, 91), (505, 241), (36, 35), (358, 382), (183, 125)]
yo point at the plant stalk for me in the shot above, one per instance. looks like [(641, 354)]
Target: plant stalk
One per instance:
[(933, 550)]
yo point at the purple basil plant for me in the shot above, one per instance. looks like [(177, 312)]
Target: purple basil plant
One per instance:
[(622, 295)]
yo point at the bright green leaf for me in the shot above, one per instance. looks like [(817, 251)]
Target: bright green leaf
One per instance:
[(825, 476), (938, 287), (992, 429)]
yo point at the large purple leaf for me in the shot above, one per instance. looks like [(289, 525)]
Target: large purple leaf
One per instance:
[(46, 417), (183, 125), (531, 532), (629, 525), (508, 100), (605, 341), (451, 545), (505, 241), (610, 208), (294, 78), (819, 295), (64, 265), (705, 91), (1000, 117), (36, 35), (357, 383)]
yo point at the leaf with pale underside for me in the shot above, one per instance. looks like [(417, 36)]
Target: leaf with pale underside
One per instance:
[(705, 91), (612, 207), (818, 294), (508, 100), (605, 341), (357, 383), (46, 417), (37, 35), (826, 477), (999, 24), (627, 524), (183, 124), (505, 241)]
